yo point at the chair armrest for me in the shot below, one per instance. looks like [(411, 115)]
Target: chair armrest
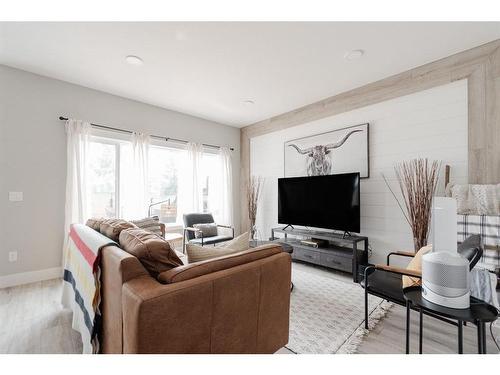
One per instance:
[(190, 229), (162, 229), (399, 270), (227, 227), (401, 254)]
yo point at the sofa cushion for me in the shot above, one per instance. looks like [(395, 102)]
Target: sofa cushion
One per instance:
[(196, 253), (95, 223), (111, 228), (152, 251), (151, 224), (192, 270), (205, 230)]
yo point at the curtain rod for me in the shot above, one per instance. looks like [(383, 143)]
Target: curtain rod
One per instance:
[(62, 118)]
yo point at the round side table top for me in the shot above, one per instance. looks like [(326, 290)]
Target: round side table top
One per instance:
[(478, 310)]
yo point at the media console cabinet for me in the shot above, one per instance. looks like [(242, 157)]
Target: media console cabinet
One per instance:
[(342, 252)]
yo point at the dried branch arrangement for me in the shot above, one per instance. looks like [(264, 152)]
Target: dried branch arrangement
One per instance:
[(253, 194), (417, 180)]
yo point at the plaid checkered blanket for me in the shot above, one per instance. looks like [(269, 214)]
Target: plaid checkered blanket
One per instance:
[(488, 226), (82, 288)]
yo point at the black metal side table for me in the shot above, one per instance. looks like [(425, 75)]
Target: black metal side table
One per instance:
[(479, 313)]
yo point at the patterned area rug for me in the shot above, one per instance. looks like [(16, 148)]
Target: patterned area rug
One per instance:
[(327, 315)]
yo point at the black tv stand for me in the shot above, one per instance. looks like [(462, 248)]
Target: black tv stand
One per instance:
[(289, 225), (338, 251)]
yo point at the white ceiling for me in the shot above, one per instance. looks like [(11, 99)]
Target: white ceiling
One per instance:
[(210, 69)]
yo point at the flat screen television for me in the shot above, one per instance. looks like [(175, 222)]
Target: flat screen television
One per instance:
[(329, 202)]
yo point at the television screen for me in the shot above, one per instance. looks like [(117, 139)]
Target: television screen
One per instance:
[(330, 202)]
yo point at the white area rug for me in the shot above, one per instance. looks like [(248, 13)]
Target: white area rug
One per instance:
[(327, 315)]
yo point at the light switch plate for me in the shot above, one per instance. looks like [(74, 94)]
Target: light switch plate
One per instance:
[(12, 256), (15, 196)]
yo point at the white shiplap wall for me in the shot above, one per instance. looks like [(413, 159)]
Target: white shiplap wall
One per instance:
[(430, 123)]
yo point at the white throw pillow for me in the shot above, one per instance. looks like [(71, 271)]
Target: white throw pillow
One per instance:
[(197, 253)]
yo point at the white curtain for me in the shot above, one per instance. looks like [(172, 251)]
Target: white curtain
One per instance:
[(190, 182), (77, 151), (135, 180), (226, 187), (77, 154)]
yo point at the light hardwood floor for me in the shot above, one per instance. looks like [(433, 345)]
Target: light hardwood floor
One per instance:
[(34, 322)]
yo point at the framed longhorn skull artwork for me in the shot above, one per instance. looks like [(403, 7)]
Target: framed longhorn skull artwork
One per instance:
[(338, 151)]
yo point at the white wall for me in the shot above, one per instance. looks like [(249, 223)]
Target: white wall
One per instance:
[(33, 156), (431, 123)]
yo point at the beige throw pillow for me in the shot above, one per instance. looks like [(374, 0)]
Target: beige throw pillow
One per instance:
[(239, 243), (415, 265), (196, 253)]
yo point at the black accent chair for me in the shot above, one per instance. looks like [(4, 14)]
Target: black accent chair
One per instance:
[(190, 232), (386, 281)]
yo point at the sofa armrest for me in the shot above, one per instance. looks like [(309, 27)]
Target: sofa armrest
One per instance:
[(117, 268), (244, 309)]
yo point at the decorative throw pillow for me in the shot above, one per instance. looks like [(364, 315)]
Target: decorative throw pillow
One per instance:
[(239, 243), (415, 265), (111, 228), (196, 253), (152, 251), (95, 223), (151, 224), (208, 230)]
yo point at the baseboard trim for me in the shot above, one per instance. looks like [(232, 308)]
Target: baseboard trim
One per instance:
[(30, 277)]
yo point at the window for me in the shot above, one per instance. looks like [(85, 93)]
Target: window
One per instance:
[(102, 179), (109, 172), (111, 189), (163, 177), (211, 181)]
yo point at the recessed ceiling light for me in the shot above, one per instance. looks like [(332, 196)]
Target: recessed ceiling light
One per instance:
[(248, 102), (134, 60), (354, 54)]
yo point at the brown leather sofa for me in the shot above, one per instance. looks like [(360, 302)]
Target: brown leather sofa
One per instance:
[(234, 304)]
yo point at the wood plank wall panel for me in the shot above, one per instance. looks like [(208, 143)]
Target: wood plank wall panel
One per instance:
[(431, 123), (480, 66)]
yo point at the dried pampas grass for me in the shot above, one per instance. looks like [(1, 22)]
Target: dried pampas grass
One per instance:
[(417, 180), (253, 194)]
